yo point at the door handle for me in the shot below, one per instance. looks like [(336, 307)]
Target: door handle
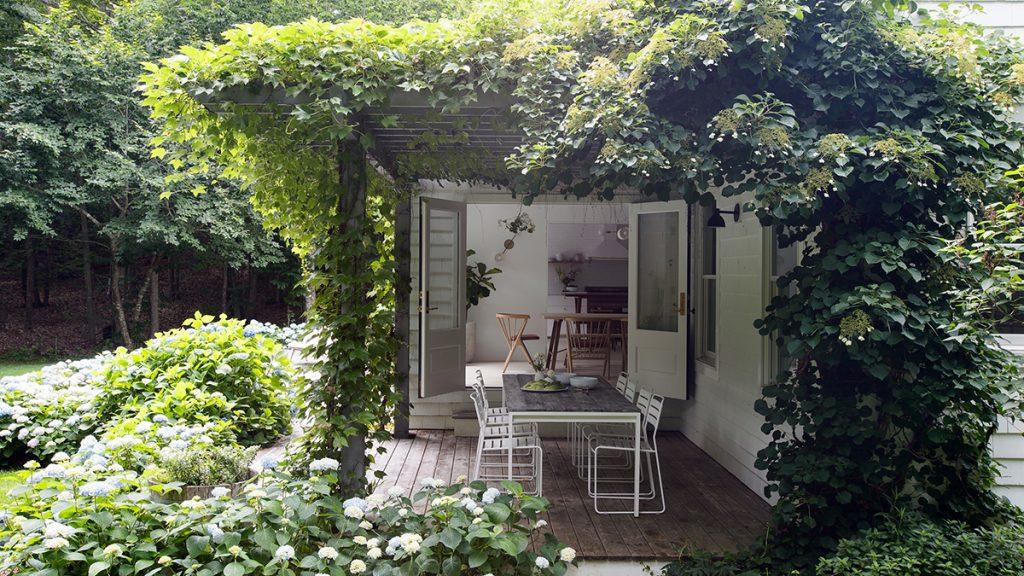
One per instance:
[(425, 303), (682, 303)]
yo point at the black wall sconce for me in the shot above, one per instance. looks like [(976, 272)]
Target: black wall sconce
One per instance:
[(716, 220)]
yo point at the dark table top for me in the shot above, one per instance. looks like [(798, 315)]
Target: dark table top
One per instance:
[(602, 398)]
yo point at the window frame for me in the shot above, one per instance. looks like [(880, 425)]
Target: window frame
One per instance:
[(707, 283), (770, 362)]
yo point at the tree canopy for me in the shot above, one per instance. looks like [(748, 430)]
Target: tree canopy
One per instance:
[(843, 124)]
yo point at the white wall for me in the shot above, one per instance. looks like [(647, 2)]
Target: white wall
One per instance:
[(719, 416), (521, 288)]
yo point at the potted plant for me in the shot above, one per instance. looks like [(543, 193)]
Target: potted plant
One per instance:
[(479, 285), (567, 276)]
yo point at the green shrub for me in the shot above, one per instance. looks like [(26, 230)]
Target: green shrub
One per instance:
[(208, 373), (207, 465), (917, 547), (73, 521)]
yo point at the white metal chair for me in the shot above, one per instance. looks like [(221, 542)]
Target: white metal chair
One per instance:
[(648, 453), (577, 432), (506, 451), (496, 414)]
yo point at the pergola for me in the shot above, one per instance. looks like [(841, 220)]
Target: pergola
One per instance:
[(409, 129)]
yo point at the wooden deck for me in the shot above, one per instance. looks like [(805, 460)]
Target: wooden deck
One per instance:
[(708, 508)]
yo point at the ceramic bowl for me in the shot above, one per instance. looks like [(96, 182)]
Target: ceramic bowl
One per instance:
[(583, 382)]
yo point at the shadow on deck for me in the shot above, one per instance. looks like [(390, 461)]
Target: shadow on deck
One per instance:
[(708, 508)]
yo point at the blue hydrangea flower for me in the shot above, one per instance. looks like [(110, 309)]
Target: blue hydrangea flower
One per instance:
[(94, 489)]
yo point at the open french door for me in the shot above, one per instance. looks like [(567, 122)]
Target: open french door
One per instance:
[(657, 296), (442, 297)]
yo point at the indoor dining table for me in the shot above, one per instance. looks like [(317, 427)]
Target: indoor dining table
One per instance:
[(558, 318), (599, 405)]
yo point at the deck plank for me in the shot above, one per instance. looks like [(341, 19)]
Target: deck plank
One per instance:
[(708, 509)]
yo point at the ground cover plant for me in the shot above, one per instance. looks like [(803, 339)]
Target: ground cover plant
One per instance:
[(842, 123), (70, 520)]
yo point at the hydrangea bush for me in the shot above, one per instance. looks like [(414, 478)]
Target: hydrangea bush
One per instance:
[(132, 405), (51, 410), (73, 518), (213, 371)]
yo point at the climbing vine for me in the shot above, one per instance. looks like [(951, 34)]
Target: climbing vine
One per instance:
[(840, 124)]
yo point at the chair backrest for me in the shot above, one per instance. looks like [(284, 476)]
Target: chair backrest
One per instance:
[(479, 403), (643, 402), (512, 326), (654, 410), (478, 383), (630, 391), (621, 383), (589, 338)]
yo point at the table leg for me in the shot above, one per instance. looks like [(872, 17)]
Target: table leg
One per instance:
[(556, 334), (636, 468)]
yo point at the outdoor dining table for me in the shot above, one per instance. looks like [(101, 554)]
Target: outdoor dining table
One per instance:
[(599, 405), (557, 318)]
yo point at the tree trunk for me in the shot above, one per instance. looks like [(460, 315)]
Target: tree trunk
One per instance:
[(154, 301), (30, 282), (116, 277), (90, 303), (253, 294), (137, 310), (47, 267), (224, 291)]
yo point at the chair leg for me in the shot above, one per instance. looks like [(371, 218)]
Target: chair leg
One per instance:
[(526, 352), (511, 351)]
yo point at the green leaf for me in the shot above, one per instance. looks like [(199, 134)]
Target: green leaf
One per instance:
[(234, 569), (98, 567)]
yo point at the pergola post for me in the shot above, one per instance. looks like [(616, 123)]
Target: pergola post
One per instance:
[(403, 280), (352, 218)]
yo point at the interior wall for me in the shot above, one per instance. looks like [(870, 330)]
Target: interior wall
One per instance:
[(521, 288)]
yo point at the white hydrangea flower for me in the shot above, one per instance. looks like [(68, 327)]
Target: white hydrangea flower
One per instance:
[(567, 554), (55, 543), (357, 567), (396, 491), (328, 553), (542, 563), (112, 550), (374, 553), (366, 525), (324, 465), (353, 512), (490, 495), (285, 553)]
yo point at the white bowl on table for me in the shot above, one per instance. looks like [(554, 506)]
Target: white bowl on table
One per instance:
[(583, 382), (564, 377)]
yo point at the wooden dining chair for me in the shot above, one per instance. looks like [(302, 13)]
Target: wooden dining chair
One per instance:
[(589, 340), (513, 327)]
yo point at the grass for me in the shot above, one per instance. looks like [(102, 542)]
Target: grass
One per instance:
[(18, 367)]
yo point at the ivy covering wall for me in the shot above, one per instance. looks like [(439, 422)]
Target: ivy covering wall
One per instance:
[(850, 128)]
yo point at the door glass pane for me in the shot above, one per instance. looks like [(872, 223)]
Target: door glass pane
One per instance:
[(442, 284), (657, 271), (710, 251)]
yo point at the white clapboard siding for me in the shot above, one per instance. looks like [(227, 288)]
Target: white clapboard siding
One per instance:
[(1007, 15)]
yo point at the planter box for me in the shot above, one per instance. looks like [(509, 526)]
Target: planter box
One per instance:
[(203, 492)]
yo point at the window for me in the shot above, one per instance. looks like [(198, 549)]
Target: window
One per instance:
[(707, 291), (1011, 320), (779, 261)]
